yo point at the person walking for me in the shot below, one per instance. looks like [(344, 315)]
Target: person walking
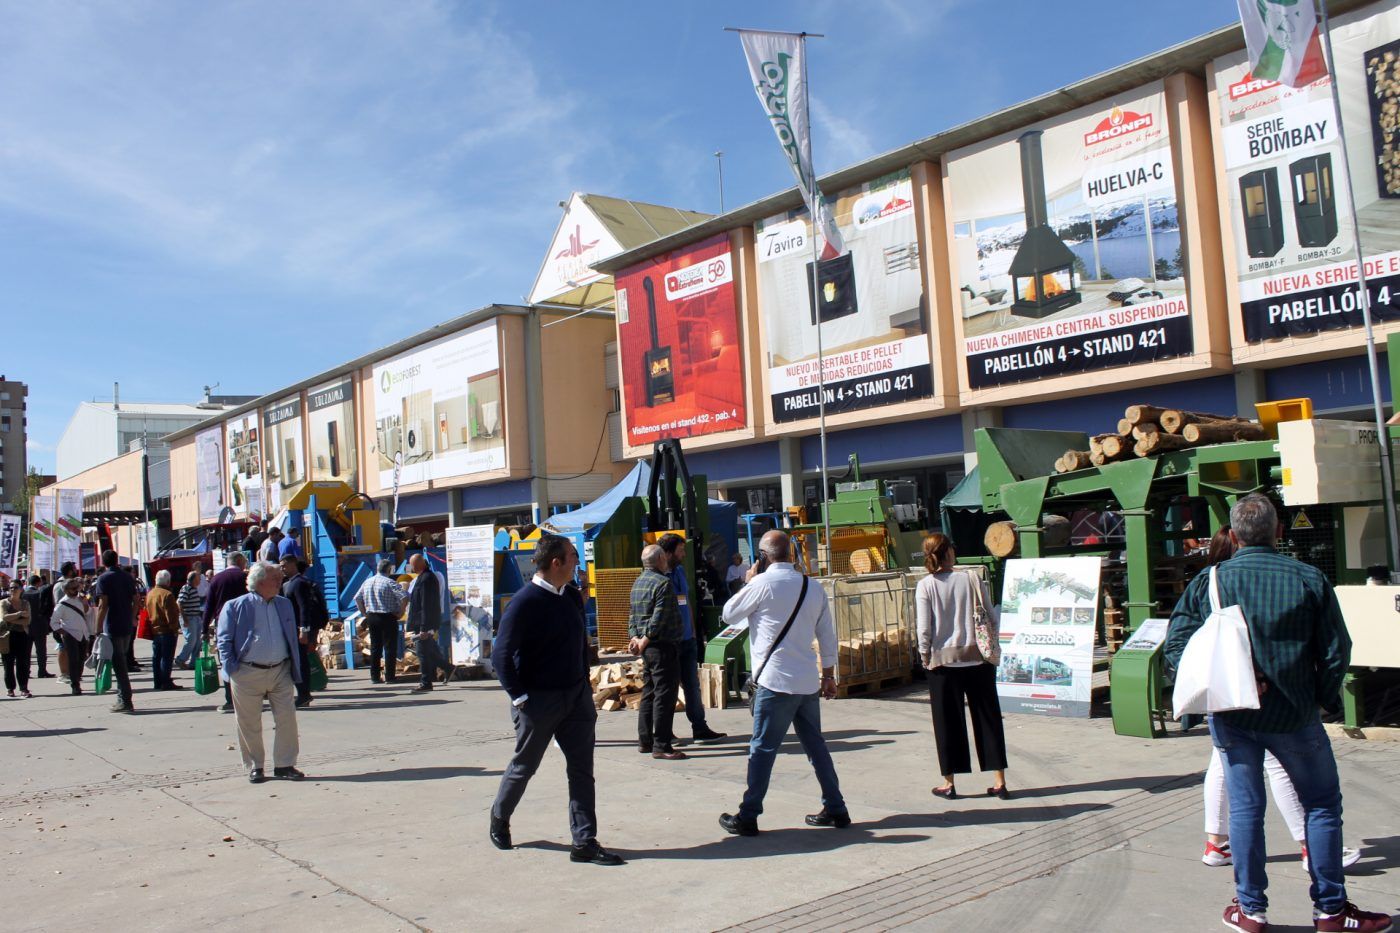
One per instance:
[(257, 642), (39, 595), (381, 601), (15, 642), (75, 622), (309, 608), (290, 546), (164, 615), (655, 629), (541, 659), (191, 601), (224, 587), (1301, 651), (424, 620), (271, 546), (688, 649), (787, 613), (946, 605), (68, 571), (116, 616)]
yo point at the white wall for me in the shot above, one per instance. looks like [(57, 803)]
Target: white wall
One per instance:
[(89, 439)]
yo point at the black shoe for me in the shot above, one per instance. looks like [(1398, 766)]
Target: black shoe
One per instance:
[(288, 774), (225, 707), (1001, 792), (391, 679), (827, 818), (45, 674), (500, 833), (707, 736), (120, 707), (376, 680), (593, 853), (737, 825), (173, 686), (303, 702), (644, 748), (256, 776), (134, 668), (422, 688)]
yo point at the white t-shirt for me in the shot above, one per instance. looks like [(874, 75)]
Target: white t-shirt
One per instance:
[(766, 602)]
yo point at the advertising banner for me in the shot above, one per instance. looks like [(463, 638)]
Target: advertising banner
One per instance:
[(209, 473), (1295, 259), (43, 533), (678, 344), (580, 241), (330, 422), (241, 440), (875, 345), (1049, 610), (1066, 246), (9, 545), (471, 574), (68, 528), (440, 407), (285, 461)]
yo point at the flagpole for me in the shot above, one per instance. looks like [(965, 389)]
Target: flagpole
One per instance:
[(1382, 431)]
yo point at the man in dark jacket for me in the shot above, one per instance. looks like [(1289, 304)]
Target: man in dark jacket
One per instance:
[(541, 659), (39, 596), (424, 620), (309, 608)]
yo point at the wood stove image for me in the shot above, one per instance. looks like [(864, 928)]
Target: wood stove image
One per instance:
[(1042, 272), (1263, 214), (1314, 200), (657, 373), (836, 295)]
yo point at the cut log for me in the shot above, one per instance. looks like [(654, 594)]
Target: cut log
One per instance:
[(612, 706), (1097, 458), (1145, 430), (1160, 444), (1137, 414), (1073, 460), (1125, 427), (1096, 443), (1219, 432), (1174, 419), (1115, 448), (1001, 539), (1056, 533)]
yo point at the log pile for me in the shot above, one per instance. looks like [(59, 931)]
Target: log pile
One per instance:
[(619, 686), (1146, 430)]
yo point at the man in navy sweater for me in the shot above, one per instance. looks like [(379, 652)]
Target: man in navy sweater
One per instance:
[(541, 658)]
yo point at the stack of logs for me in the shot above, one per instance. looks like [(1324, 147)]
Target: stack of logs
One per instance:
[(1145, 430), (619, 686)]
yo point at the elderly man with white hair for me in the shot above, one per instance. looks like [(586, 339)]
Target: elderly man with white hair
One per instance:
[(163, 612), (258, 650)]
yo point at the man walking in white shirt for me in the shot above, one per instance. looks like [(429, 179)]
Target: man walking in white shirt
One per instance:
[(786, 613)]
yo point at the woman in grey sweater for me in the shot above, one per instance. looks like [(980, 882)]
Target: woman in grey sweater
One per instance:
[(945, 604)]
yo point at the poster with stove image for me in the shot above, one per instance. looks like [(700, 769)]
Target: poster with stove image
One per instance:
[(874, 322), (330, 422), (242, 442), (1066, 246), (1285, 184), (209, 473), (440, 406), (678, 344), (284, 462), (1049, 610)]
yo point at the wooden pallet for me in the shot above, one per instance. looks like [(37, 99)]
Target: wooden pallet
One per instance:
[(872, 684)]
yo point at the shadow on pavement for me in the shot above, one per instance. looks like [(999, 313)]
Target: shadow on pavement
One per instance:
[(372, 705), (1377, 855), (435, 773), (1154, 784), (770, 842), (36, 733)]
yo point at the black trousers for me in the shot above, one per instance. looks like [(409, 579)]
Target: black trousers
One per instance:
[(948, 687), (16, 660), (567, 717), (121, 650), (661, 681), (77, 652), (430, 661), (383, 643), (304, 685), (40, 633)]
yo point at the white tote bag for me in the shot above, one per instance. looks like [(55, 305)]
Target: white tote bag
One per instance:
[(1216, 672)]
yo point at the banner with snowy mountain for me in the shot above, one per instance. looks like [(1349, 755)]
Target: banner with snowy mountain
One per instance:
[(1066, 247)]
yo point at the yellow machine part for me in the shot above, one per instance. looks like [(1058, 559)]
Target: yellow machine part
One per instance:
[(347, 508), (614, 595)]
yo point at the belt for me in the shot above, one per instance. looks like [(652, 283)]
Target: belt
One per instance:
[(266, 667)]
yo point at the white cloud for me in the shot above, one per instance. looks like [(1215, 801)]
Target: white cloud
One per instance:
[(847, 142)]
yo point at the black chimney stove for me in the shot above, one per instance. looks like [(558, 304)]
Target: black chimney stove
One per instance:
[(658, 377), (1042, 272)]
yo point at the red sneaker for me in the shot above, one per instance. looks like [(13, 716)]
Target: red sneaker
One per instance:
[(1236, 919), (1216, 855), (1352, 919)]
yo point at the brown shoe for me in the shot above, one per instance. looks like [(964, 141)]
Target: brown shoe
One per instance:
[(669, 754)]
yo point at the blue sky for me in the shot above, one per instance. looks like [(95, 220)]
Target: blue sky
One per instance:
[(246, 193)]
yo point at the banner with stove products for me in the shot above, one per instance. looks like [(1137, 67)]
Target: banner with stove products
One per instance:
[(870, 301), (330, 422), (43, 533), (68, 528), (1066, 245), (209, 473), (284, 458), (1285, 183), (1049, 611), (439, 405), (471, 575), (10, 526), (242, 441), (678, 344)]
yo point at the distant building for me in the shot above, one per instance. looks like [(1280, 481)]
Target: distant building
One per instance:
[(13, 430)]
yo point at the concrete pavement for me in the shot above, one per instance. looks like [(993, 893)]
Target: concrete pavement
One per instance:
[(148, 822)]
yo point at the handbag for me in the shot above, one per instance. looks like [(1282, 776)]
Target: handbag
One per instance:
[(317, 678), (1216, 672), (206, 672), (143, 625), (101, 651), (987, 641), (102, 683), (752, 686)]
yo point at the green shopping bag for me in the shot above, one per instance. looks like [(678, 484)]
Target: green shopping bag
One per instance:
[(102, 683), (316, 671), (206, 672)]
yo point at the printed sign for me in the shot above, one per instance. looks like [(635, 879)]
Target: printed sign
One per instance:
[(330, 423), (209, 473), (1087, 275), (471, 575), (285, 466), (68, 527), (43, 533), (9, 545), (579, 243), (241, 440), (1049, 608)]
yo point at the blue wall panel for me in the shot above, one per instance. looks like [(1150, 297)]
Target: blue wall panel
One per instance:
[(734, 462), (1342, 383), (902, 440), (511, 492), (421, 505), (1095, 414)]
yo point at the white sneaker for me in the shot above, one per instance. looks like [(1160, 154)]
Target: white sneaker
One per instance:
[(1216, 855), (1350, 857)]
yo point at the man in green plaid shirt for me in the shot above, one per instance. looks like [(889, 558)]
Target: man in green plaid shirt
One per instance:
[(656, 628), (1301, 652)]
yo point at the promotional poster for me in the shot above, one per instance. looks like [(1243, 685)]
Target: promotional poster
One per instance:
[(43, 519), (209, 473), (241, 440), (1049, 610), (678, 344), (9, 545), (440, 407), (68, 528), (330, 423), (1066, 246), (870, 300), (471, 573), (285, 462), (1295, 253)]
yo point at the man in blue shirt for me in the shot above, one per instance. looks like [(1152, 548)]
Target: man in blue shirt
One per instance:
[(116, 597), (673, 546), (290, 546)]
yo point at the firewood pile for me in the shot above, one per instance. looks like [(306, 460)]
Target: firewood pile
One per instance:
[(619, 686), (1146, 430)]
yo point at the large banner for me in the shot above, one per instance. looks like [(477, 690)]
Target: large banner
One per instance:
[(282, 449), (10, 526), (330, 421), (440, 407), (678, 344), (245, 488), (1049, 608), (43, 533), (471, 575), (68, 527), (209, 473), (1066, 247), (1295, 258), (875, 345)]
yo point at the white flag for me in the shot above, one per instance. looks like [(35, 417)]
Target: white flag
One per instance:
[(1283, 42), (43, 518), (780, 81), (9, 545)]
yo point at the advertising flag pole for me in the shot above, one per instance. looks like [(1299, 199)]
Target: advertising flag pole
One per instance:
[(1382, 432), (816, 308)]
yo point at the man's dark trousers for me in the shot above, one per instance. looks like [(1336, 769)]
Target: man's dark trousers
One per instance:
[(568, 717), (661, 681), (304, 687), (40, 632), (383, 642), (430, 661), (121, 645)]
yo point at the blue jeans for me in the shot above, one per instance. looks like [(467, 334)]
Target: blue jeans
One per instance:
[(690, 684), (162, 659), (194, 635), (773, 713), (1307, 757)]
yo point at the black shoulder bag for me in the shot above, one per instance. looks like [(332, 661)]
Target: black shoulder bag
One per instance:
[(753, 681)]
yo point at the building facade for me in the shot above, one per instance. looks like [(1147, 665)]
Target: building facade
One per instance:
[(14, 426)]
